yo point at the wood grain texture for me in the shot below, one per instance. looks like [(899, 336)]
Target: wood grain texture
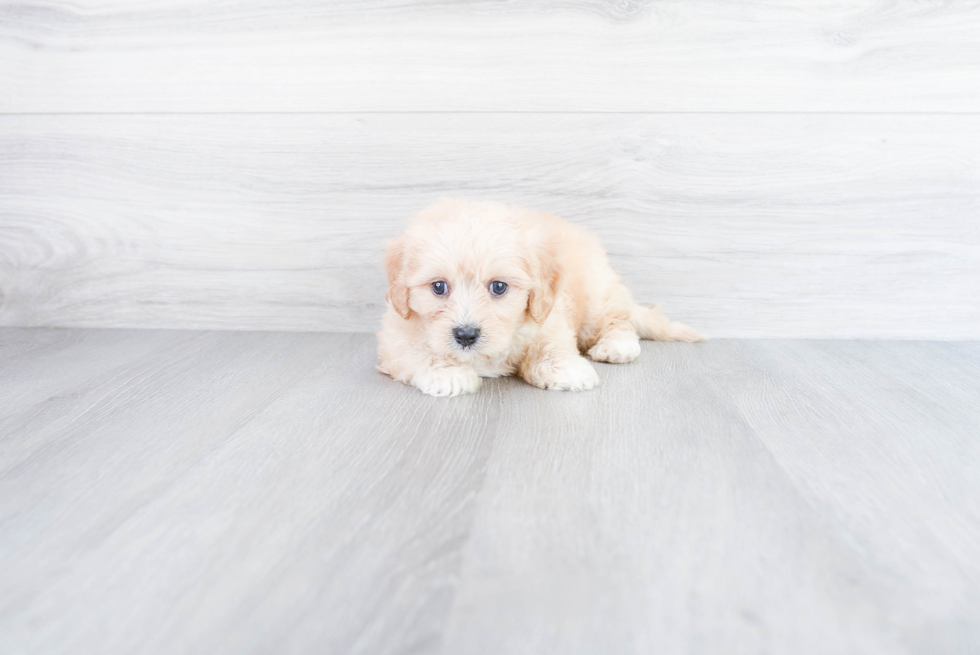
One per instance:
[(554, 55), (233, 493), (743, 225), (263, 492), (735, 497)]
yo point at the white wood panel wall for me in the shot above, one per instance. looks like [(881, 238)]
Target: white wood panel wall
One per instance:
[(486, 55), (767, 170), (777, 225)]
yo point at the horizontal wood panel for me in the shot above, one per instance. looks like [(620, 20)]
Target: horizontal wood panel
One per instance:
[(743, 225), (554, 55)]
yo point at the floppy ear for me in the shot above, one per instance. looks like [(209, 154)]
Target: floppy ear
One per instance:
[(397, 291), (547, 281)]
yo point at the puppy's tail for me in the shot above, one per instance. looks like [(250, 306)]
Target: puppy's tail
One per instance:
[(650, 323)]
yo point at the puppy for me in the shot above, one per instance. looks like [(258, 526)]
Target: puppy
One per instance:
[(482, 289)]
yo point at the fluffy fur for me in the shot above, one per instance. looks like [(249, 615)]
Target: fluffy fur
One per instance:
[(562, 300)]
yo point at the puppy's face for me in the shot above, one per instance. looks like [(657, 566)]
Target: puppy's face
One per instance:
[(473, 282)]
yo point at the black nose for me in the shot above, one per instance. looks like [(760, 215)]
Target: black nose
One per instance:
[(466, 335)]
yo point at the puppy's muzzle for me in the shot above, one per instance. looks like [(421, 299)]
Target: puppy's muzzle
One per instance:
[(466, 335)]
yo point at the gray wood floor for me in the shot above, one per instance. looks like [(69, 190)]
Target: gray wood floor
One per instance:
[(218, 492)]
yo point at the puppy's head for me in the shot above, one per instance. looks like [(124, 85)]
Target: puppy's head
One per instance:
[(471, 275)]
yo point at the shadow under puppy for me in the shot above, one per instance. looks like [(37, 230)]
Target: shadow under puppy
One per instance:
[(482, 289)]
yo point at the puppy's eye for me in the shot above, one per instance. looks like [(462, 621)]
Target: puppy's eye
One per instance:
[(498, 288), (439, 288)]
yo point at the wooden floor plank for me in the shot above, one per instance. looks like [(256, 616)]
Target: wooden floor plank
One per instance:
[(43, 364), (244, 494), (272, 492), (886, 444), (650, 517)]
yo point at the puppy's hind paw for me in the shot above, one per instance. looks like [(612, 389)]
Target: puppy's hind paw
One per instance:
[(615, 350), (449, 381), (572, 374)]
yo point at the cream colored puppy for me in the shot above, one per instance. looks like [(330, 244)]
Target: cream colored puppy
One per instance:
[(481, 289)]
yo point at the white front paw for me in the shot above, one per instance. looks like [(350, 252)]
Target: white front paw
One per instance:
[(450, 381), (615, 350), (572, 374)]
